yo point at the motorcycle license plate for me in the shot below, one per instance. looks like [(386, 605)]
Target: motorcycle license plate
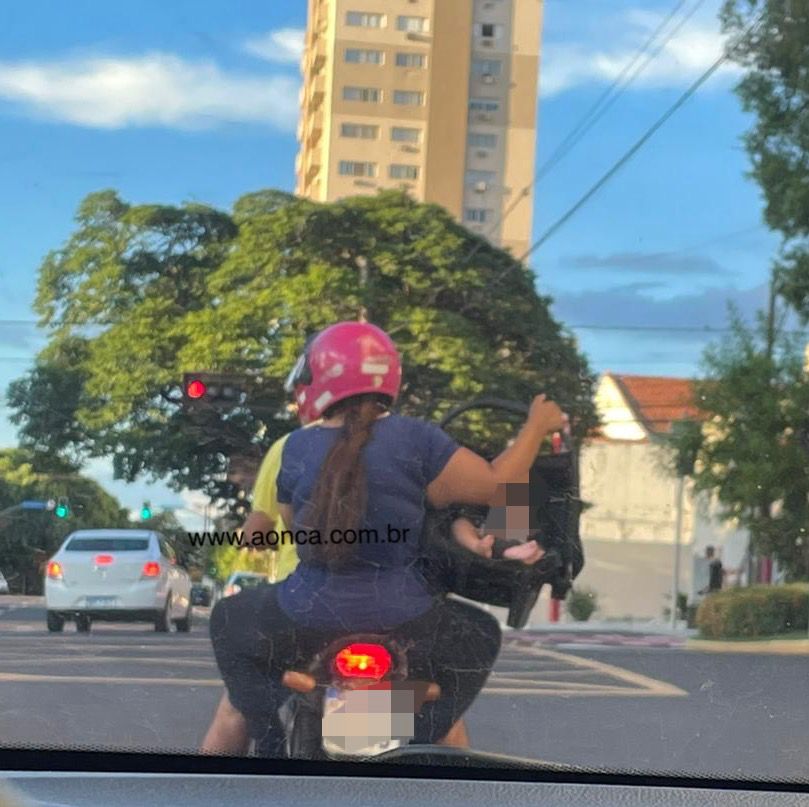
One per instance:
[(367, 722)]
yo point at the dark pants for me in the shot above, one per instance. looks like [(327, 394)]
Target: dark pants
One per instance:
[(255, 642)]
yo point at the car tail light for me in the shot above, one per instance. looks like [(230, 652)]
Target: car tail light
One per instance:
[(151, 569), (55, 570), (363, 661), (231, 590), (103, 560)]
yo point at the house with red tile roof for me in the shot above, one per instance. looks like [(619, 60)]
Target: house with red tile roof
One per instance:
[(627, 478)]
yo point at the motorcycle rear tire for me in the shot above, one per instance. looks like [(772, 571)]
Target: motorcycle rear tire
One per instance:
[(304, 728)]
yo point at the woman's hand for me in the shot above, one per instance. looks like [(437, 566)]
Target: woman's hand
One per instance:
[(529, 553), (546, 414)]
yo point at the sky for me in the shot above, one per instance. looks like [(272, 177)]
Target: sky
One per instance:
[(197, 101)]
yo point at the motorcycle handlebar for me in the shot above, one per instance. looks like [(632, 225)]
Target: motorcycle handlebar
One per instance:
[(506, 405)]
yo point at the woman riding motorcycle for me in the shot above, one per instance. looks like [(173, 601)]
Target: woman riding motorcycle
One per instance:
[(363, 468)]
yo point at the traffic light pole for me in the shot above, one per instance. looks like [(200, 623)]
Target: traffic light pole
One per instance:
[(28, 504)]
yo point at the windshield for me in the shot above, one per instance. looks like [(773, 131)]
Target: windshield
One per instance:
[(452, 352)]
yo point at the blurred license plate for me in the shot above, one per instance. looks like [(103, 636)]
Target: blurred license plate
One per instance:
[(367, 722), (101, 602)]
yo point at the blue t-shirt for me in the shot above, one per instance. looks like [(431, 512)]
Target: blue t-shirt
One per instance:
[(381, 587)]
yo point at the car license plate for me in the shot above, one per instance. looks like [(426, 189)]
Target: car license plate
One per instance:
[(101, 602), (366, 722)]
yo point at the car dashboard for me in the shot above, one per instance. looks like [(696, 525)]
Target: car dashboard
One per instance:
[(181, 790)]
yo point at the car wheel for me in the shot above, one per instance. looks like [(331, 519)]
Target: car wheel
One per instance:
[(162, 622), (56, 623), (184, 624), (83, 624)]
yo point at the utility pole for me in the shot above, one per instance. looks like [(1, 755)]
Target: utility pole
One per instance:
[(764, 507), (678, 538)]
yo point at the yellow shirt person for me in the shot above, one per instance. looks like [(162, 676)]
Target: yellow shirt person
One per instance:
[(265, 501)]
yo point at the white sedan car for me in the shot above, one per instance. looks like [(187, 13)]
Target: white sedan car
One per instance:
[(117, 576)]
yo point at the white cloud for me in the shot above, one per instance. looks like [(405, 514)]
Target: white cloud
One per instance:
[(156, 89), (568, 65), (284, 45)]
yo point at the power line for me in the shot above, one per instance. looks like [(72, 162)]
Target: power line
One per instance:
[(639, 144), (696, 329), (603, 103)]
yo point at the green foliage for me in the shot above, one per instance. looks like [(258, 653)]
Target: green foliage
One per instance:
[(229, 559), (775, 89), (582, 603), (752, 451), (756, 611), (29, 537), (141, 294)]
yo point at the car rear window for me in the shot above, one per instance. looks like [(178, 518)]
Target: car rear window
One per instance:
[(245, 582), (108, 545)]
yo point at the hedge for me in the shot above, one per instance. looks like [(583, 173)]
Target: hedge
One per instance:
[(740, 613)]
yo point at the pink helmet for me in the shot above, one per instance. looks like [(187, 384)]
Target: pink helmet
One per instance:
[(346, 359)]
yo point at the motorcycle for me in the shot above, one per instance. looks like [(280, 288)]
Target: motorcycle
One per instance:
[(355, 699)]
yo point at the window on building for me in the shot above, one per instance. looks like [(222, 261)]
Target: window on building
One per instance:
[(359, 130), (404, 172), (365, 19), (477, 215), (488, 30), (403, 134), (474, 177), (416, 25), (418, 60), (350, 168), (486, 67), (360, 56), (408, 98), (368, 94), (483, 105), (481, 140)]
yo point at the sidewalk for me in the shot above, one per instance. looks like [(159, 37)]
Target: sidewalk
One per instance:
[(640, 627), (781, 647), (602, 634)]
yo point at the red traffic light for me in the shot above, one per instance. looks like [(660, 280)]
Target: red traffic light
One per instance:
[(196, 389)]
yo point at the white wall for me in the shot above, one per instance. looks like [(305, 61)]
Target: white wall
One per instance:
[(629, 532)]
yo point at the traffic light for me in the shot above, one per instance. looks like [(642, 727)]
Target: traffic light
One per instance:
[(145, 512), (213, 389), (62, 509)]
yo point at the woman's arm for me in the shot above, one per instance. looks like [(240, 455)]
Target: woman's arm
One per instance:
[(469, 478)]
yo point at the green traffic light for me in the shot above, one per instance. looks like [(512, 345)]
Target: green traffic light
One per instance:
[(61, 511), (145, 512)]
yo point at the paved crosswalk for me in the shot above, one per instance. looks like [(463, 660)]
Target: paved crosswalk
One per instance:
[(527, 668)]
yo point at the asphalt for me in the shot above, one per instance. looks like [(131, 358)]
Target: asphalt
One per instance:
[(657, 709)]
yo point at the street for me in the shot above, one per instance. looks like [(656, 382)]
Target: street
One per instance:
[(661, 709)]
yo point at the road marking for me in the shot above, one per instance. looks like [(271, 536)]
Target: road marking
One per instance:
[(632, 684), (28, 678), (5, 661)]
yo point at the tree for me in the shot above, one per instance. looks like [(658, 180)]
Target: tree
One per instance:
[(29, 537), (775, 88), (140, 294), (751, 447)]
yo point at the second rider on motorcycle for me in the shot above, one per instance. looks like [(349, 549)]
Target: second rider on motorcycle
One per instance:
[(363, 468)]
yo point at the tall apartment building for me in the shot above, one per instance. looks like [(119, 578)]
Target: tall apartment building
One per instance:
[(437, 96)]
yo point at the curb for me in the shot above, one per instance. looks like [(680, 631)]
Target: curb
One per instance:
[(782, 647)]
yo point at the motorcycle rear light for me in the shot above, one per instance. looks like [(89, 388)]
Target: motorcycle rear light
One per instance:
[(363, 661), (55, 570), (151, 569), (103, 560)]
